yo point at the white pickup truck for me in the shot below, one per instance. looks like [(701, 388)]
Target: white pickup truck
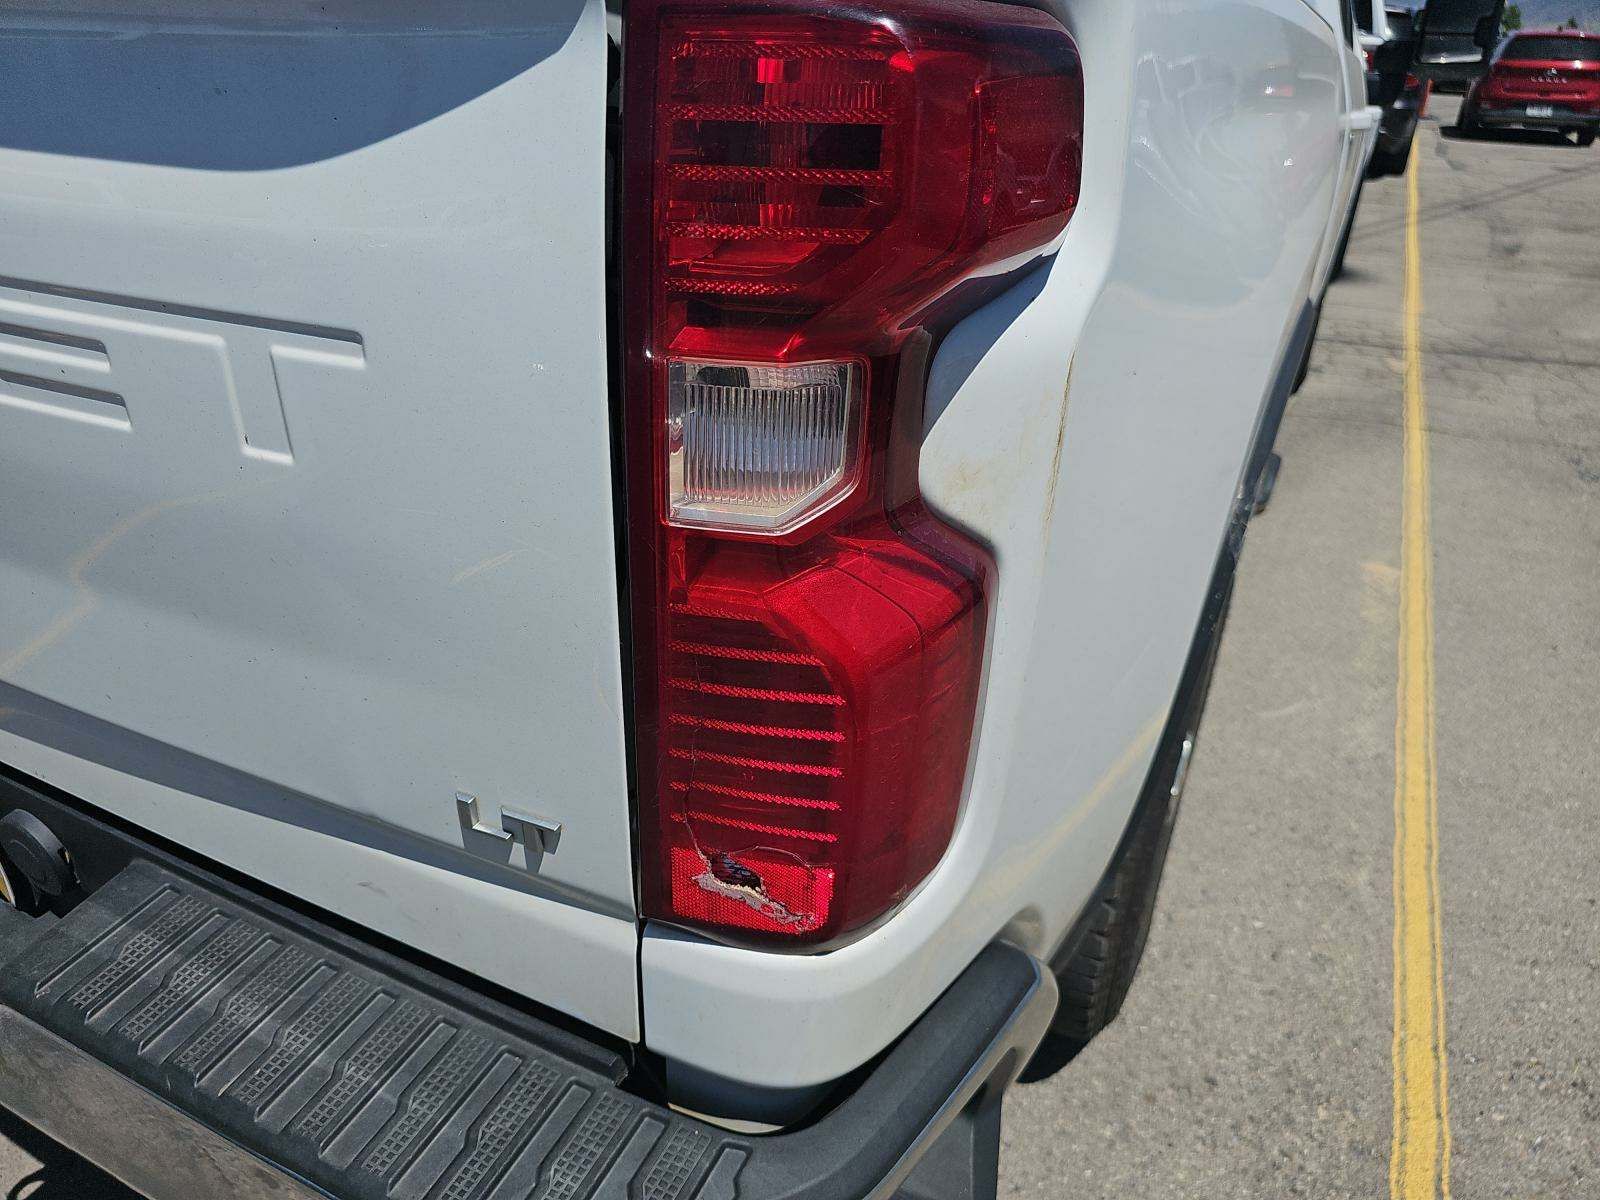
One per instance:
[(616, 603)]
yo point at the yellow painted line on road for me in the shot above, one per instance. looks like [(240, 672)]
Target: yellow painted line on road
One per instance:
[(1419, 1158)]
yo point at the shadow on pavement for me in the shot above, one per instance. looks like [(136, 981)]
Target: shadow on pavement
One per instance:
[(62, 1175)]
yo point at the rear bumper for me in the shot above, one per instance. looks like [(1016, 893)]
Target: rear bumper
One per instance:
[(141, 1030), (127, 1130), (1517, 115), (865, 1148)]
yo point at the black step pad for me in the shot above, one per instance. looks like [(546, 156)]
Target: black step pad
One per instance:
[(350, 1077)]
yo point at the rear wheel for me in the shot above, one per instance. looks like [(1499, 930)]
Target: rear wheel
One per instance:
[(1389, 162), (1586, 137), (1095, 974), (1305, 357), (1265, 482), (1344, 240)]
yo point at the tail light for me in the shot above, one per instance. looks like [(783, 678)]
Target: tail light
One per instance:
[(811, 192)]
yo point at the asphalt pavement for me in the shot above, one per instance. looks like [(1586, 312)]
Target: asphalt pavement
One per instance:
[(1253, 1059)]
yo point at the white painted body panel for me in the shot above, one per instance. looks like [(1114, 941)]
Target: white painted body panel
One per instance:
[(1209, 191), (288, 652), (307, 510), (1361, 122)]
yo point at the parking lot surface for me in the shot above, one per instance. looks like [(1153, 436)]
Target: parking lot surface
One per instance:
[(1253, 1058)]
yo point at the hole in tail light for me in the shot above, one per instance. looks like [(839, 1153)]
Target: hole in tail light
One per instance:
[(811, 195)]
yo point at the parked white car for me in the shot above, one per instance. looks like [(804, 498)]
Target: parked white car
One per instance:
[(569, 594)]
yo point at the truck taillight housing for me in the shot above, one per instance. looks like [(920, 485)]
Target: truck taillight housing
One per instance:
[(811, 192)]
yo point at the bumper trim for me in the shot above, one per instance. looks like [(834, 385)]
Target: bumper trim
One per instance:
[(191, 1045), (1560, 118), (124, 1129)]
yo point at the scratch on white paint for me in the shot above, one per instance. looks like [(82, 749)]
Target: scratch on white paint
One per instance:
[(488, 564)]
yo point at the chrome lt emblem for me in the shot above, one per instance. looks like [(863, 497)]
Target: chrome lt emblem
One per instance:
[(538, 836)]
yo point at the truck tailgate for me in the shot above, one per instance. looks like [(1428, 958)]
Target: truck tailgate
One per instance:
[(305, 485)]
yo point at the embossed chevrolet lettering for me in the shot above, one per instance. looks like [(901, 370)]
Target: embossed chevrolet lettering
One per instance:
[(101, 359)]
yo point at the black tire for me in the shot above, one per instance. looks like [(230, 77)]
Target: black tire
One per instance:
[(1265, 482), (1586, 137), (1386, 163), (1344, 239), (1300, 375), (1305, 357), (1097, 971)]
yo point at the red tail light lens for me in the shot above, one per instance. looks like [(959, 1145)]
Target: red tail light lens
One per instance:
[(806, 189)]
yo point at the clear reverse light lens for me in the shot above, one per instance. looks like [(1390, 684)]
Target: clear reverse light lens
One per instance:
[(757, 447)]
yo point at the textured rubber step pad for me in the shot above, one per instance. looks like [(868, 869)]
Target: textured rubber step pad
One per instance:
[(361, 1083)]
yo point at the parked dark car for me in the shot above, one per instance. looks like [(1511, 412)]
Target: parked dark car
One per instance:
[(1401, 115), (1399, 128), (1388, 38), (1539, 81)]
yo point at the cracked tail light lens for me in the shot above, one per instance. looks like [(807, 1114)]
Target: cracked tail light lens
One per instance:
[(806, 189)]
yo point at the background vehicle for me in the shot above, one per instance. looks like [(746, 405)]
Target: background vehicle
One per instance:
[(1403, 104), (1363, 86), (1457, 37), (497, 641), (1539, 81)]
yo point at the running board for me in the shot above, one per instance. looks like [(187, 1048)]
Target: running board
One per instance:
[(196, 1044)]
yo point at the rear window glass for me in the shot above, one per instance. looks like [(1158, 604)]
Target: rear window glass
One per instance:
[(1364, 14), (1552, 47)]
